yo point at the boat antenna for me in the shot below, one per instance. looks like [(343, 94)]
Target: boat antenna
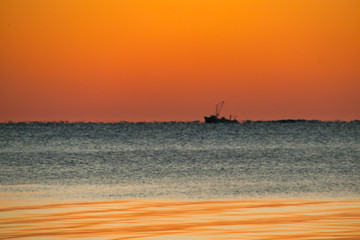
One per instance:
[(219, 107)]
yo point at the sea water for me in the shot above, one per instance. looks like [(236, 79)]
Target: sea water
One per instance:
[(180, 160)]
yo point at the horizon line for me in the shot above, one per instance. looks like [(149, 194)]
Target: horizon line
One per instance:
[(285, 120)]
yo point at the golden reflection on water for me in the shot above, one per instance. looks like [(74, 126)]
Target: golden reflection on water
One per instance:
[(147, 219)]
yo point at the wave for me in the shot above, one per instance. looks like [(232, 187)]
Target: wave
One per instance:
[(255, 219)]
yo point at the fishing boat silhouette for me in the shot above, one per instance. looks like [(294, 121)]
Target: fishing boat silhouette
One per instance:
[(216, 119)]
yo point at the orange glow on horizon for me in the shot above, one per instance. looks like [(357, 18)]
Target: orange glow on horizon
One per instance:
[(161, 60)]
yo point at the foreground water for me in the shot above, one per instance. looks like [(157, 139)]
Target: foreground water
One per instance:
[(97, 161), (149, 220), (257, 180)]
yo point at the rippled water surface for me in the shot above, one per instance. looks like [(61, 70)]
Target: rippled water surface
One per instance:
[(180, 161), (169, 220)]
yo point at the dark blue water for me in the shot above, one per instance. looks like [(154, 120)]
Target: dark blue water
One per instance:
[(97, 161)]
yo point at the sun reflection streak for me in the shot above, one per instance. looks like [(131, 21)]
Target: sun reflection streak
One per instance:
[(155, 219)]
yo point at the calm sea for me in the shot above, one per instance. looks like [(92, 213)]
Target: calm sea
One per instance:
[(173, 160)]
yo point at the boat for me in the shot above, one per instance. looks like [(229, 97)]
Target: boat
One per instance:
[(216, 119)]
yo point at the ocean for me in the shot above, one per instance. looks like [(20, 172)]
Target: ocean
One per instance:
[(180, 180), (180, 160)]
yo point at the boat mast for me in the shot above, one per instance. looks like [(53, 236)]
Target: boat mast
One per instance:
[(219, 107)]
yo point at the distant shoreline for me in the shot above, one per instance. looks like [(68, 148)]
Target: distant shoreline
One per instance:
[(173, 122)]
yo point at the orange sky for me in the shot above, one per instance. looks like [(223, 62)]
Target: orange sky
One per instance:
[(161, 60)]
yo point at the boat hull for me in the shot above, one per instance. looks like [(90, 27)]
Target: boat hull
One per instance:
[(215, 119)]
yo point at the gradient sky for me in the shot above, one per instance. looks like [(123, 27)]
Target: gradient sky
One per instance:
[(161, 60)]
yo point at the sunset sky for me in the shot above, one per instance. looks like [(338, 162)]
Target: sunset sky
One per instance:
[(162, 60)]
